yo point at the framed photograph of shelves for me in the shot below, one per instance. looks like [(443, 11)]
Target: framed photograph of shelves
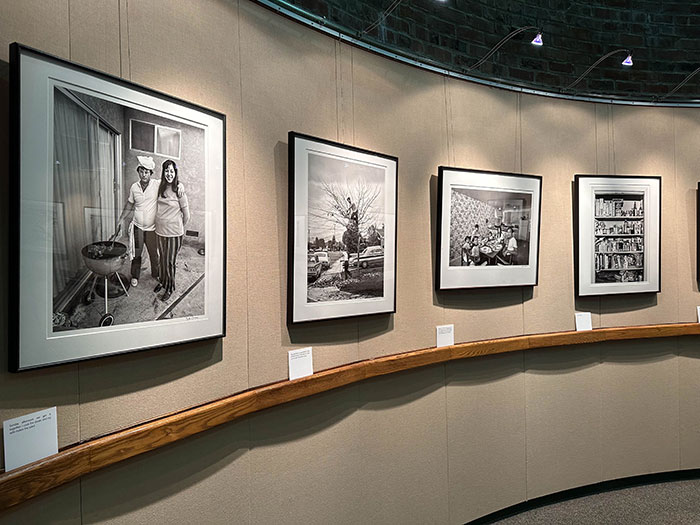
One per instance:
[(93, 217), (618, 234), (342, 230), (488, 229)]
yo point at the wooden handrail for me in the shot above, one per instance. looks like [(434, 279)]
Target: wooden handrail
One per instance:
[(75, 461)]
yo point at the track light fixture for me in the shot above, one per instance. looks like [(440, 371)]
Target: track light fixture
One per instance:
[(626, 62), (683, 83), (537, 41)]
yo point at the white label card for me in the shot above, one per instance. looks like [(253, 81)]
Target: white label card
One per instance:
[(30, 437), (444, 335), (583, 321), (301, 363)]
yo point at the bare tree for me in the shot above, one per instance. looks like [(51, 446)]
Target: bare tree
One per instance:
[(336, 205)]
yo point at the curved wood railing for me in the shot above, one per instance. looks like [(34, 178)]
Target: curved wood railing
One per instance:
[(36, 478)]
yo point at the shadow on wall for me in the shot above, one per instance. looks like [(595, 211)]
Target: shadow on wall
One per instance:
[(208, 461)]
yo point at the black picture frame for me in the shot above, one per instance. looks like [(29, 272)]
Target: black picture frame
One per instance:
[(323, 175), (617, 234), (479, 212), (59, 112)]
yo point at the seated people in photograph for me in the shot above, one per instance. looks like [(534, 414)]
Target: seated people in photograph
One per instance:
[(172, 214), (466, 250), (143, 195), (510, 248), (475, 234)]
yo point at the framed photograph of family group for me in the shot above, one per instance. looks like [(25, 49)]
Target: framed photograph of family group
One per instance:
[(118, 215), (342, 230), (488, 229), (617, 243)]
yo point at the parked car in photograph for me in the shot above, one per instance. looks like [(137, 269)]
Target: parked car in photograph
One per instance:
[(314, 267), (323, 259), (370, 257)]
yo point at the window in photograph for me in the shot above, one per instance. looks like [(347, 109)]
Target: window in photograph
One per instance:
[(142, 136), (168, 142)]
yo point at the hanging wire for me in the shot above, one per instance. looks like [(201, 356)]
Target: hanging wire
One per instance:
[(382, 17), (500, 44), (685, 81), (579, 79)]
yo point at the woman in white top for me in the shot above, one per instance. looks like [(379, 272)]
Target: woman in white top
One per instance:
[(172, 214)]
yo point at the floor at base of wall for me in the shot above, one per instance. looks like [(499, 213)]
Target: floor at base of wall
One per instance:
[(676, 502)]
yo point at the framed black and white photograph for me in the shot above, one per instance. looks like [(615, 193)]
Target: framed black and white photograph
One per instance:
[(618, 234), (342, 230), (118, 206), (488, 229)]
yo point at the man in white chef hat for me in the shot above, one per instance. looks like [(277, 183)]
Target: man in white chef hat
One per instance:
[(143, 198)]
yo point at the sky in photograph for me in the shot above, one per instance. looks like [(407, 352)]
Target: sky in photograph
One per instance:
[(345, 174)]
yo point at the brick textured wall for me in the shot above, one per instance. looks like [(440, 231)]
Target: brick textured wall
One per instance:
[(663, 35)]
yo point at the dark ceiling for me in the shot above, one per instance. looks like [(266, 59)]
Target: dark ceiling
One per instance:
[(662, 35)]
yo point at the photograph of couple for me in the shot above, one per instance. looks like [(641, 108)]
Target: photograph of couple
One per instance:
[(128, 215)]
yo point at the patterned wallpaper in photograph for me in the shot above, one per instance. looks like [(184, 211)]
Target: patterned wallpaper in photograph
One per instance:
[(465, 212)]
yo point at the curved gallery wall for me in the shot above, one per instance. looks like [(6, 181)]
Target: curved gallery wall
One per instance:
[(445, 443)]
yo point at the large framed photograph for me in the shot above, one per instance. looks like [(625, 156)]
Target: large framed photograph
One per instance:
[(342, 230), (488, 229), (618, 234), (118, 215)]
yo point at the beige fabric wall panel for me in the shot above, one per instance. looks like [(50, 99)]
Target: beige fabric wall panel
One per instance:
[(203, 69), (639, 415), (558, 140), (344, 92), (403, 432), (689, 389), (95, 34), (306, 461), (483, 126), (687, 156), (399, 111), (482, 134), (200, 480), (61, 505), (40, 24), (289, 83), (485, 435), (563, 399), (43, 25), (603, 133), (643, 142)]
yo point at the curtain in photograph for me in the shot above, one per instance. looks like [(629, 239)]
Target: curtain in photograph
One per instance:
[(84, 169)]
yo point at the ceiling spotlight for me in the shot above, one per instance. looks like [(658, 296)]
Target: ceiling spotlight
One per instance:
[(626, 62), (537, 41)]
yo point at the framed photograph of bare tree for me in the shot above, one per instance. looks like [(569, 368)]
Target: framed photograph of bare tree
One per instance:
[(618, 234), (342, 230), (118, 215), (488, 229)]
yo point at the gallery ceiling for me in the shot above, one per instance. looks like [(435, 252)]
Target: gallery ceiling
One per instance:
[(662, 36)]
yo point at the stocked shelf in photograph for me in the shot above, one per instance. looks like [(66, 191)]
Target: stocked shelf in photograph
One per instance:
[(618, 226)]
